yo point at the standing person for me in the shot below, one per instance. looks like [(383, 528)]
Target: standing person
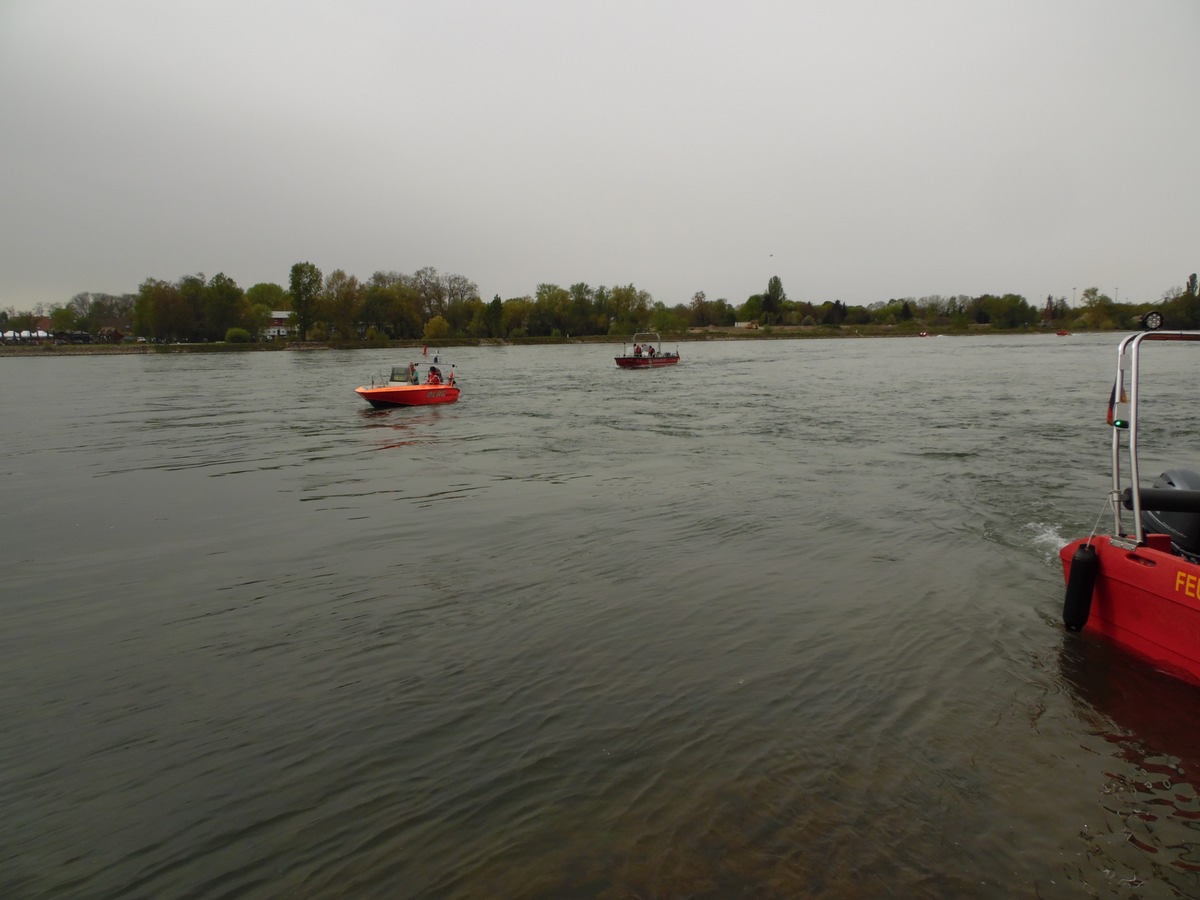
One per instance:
[(412, 374)]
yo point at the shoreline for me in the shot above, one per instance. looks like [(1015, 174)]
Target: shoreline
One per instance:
[(44, 350)]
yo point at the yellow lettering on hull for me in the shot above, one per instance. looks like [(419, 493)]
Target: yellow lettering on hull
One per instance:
[(1187, 584)]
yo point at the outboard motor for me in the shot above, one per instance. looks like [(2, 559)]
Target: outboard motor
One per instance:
[(1183, 527)]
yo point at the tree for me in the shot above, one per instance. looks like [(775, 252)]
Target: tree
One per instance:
[(461, 289), (494, 317), (344, 301), (631, 307), (514, 317), (257, 317), (432, 291), (437, 329), (751, 310), (165, 313), (551, 310), (81, 306), (673, 320), (62, 319), (191, 292), (391, 304), (833, 313), (224, 306), (266, 294), (305, 285), (772, 301), (581, 317), (460, 311)]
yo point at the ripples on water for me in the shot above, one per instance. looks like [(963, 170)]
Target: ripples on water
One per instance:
[(779, 621)]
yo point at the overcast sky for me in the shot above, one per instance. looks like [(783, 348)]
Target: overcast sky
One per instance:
[(859, 149)]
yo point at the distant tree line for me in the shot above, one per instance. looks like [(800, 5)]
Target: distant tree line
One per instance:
[(431, 306)]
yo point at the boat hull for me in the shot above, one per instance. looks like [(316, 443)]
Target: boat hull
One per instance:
[(646, 362), (1146, 599), (408, 394)]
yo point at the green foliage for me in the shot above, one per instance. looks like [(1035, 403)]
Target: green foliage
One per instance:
[(1009, 311), (429, 305), (392, 304), (305, 284), (62, 320), (437, 329), (257, 317), (833, 313), (751, 310), (772, 302), (224, 306), (237, 336), (168, 316), (266, 294), (191, 291), (669, 321), (343, 303)]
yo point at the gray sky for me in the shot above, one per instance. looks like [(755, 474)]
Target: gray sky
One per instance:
[(858, 149)]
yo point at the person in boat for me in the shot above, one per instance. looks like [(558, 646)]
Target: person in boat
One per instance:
[(637, 349), (450, 378), (412, 374), (650, 351), (435, 377)]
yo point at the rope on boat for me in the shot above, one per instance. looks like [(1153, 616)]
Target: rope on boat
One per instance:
[(1109, 503)]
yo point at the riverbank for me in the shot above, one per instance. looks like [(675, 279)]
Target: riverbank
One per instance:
[(795, 332)]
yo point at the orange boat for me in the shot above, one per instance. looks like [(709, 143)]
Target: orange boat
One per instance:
[(646, 353), (1140, 585), (405, 388)]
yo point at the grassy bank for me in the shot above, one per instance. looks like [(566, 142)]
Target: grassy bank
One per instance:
[(787, 332)]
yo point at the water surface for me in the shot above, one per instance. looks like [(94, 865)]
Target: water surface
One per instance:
[(779, 621)]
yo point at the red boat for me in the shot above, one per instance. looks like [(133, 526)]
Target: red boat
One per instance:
[(1140, 585), (646, 353), (405, 388)]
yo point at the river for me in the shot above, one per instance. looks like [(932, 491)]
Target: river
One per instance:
[(780, 621)]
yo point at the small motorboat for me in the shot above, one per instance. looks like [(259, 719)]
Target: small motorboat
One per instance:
[(405, 388), (1140, 585), (646, 352)]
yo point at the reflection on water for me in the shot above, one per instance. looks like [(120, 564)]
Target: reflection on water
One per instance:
[(1150, 721), (781, 620)]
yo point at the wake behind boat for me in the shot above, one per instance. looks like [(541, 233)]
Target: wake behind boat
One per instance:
[(646, 352), (1140, 586), (404, 387)]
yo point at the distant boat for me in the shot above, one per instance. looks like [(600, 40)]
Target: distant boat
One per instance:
[(404, 388), (646, 352), (1063, 333)]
